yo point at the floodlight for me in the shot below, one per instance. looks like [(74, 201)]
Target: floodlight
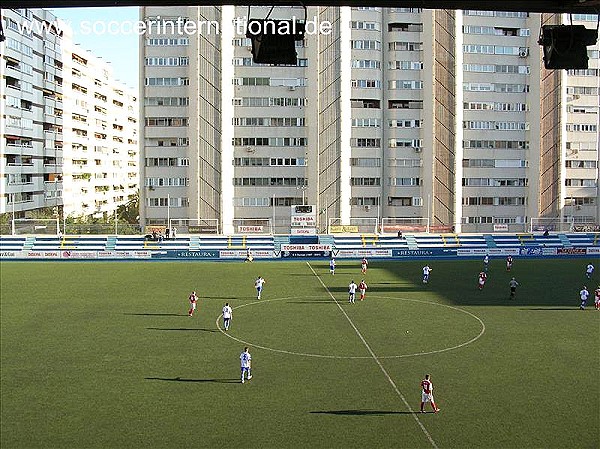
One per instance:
[(274, 41), (565, 46)]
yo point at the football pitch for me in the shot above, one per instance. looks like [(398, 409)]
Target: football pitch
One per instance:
[(104, 355)]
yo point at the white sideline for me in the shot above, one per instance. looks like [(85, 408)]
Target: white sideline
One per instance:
[(394, 386)]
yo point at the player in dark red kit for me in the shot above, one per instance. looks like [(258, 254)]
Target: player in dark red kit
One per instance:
[(482, 279), (509, 262), (427, 394)]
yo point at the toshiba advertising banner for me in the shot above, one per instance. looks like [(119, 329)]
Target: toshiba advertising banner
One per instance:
[(305, 247), (304, 220), (242, 254), (250, 229)]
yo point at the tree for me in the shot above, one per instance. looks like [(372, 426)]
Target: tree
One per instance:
[(130, 211)]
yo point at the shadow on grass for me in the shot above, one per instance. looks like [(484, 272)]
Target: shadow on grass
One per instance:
[(574, 309), (544, 284), (182, 379), (157, 314), (360, 412), (182, 329)]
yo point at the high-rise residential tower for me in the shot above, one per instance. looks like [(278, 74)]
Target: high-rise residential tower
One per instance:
[(390, 114), (69, 129)]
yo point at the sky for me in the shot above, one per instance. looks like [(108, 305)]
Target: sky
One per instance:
[(91, 30)]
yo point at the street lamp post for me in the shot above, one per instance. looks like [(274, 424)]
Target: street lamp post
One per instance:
[(303, 188), (273, 224), (168, 210)]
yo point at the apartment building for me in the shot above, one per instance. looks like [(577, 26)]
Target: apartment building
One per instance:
[(581, 156), (398, 113), (101, 169), (31, 109), (69, 130)]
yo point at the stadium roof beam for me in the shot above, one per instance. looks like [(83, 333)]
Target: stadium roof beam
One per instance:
[(548, 6)]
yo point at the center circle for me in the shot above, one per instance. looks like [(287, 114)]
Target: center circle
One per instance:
[(407, 324)]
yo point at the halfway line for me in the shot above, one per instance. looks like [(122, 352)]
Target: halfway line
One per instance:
[(376, 360)]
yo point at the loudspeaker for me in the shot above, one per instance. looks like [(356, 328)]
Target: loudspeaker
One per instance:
[(274, 41), (565, 46)]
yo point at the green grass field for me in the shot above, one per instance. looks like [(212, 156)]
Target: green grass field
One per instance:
[(103, 355)]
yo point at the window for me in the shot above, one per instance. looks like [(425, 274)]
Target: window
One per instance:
[(366, 122), (411, 27), (404, 182), (405, 104), (365, 45), (365, 181), (405, 143), (366, 84), (365, 142), (405, 46), (366, 64), (167, 121), (167, 82), (166, 101), (580, 164), (400, 201), (405, 65), (365, 104), (397, 123), (357, 25), (405, 84), (174, 61), (365, 162), (163, 42)]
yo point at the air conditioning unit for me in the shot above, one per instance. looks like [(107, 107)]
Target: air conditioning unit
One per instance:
[(367, 208), (249, 48), (250, 150), (523, 52), (291, 87), (578, 207), (418, 150), (576, 97)]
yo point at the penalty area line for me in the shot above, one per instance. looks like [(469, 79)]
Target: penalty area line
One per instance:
[(374, 356)]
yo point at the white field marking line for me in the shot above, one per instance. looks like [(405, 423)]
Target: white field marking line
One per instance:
[(394, 386), (326, 356)]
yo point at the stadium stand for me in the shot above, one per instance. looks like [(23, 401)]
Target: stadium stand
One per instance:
[(10, 243), (267, 243), (505, 240)]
